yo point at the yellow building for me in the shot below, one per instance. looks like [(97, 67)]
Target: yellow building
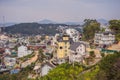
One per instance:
[(63, 47)]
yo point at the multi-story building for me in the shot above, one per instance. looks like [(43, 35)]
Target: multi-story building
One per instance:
[(23, 51), (9, 61), (77, 52), (63, 45), (74, 34), (104, 38)]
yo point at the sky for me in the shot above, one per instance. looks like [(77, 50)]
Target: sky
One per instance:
[(58, 10)]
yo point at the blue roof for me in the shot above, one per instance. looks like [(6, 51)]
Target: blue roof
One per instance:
[(14, 71)]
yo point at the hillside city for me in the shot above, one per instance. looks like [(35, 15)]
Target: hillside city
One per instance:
[(67, 52)]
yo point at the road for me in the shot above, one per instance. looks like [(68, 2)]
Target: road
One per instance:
[(30, 61)]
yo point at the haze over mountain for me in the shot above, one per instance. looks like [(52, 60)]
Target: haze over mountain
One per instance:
[(47, 21), (7, 24), (102, 21)]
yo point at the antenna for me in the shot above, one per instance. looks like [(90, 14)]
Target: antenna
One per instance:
[(3, 21), (3, 25)]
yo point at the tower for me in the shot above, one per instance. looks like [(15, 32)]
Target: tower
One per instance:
[(3, 25)]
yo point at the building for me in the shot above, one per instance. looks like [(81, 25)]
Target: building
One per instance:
[(62, 48), (7, 51), (104, 38), (63, 44), (9, 61), (45, 68), (3, 37), (77, 52), (74, 34), (22, 51)]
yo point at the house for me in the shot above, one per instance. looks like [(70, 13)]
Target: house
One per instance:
[(74, 34), (104, 38), (77, 52), (9, 61), (7, 51), (22, 51), (3, 37), (63, 44), (45, 68), (14, 71)]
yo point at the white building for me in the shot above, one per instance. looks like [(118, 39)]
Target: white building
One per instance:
[(45, 68), (9, 61), (74, 34), (104, 38), (7, 51), (22, 51), (3, 37), (77, 52)]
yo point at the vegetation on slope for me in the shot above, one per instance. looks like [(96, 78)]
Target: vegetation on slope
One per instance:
[(107, 69), (90, 27), (22, 75), (115, 26), (34, 28)]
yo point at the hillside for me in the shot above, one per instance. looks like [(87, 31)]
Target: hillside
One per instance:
[(34, 28), (107, 69)]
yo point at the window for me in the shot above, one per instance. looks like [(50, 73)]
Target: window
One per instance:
[(61, 47), (65, 50), (75, 53)]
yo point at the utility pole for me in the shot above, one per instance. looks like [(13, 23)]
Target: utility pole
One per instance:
[(3, 24)]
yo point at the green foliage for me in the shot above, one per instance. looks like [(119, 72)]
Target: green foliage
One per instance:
[(34, 28), (102, 54), (115, 26), (41, 55), (110, 67), (92, 54), (90, 27), (89, 74), (27, 57), (64, 72), (22, 75), (103, 30), (107, 69)]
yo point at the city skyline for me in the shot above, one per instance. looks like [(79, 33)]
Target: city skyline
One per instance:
[(58, 10)]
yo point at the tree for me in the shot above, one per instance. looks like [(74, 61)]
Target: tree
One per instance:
[(92, 54), (90, 27), (103, 54), (41, 55), (115, 26), (110, 67)]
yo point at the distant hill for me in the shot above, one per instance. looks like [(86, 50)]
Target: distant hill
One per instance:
[(73, 23), (7, 24), (46, 21), (34, 28), (102, 21)]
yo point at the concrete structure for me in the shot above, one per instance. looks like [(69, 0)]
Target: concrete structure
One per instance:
[(45, 68), (77, 52), (22, 51), (74, 34), (3, 37), (104, 38), (63, 44), (7, 51), (9, 61)]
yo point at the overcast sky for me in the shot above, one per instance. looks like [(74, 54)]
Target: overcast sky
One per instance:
[(58, 10)]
